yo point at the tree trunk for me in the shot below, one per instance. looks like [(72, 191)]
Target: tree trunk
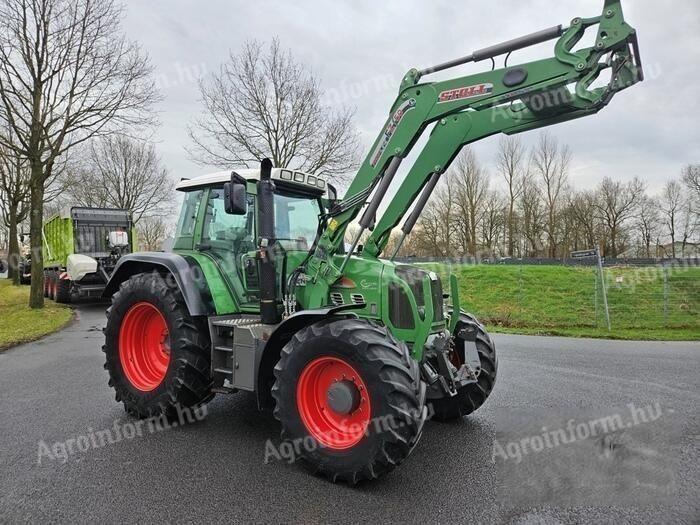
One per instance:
[(511, 244), (13, 255), (36, 217)]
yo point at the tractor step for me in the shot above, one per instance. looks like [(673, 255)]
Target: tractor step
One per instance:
[(237, 342)]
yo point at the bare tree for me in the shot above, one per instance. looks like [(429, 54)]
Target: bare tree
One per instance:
[(263, 103), (551, 163), (14, 204), (510, 162), (582, 207), (532, 215), (647, 222), (471, 184), (689, 223), (616, 203), (152, 231), (67, 73), (691, 178), (671, 205), (434, 234), (495, 218), (119, 172)]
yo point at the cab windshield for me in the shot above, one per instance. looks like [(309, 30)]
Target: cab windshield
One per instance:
[(296, 220)]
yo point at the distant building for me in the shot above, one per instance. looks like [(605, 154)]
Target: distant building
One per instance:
[(691, 250)]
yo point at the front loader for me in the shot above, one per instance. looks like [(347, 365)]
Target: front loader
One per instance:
[(349, 348)]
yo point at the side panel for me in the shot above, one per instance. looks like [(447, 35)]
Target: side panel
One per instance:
[(59, 241), (224, 300)]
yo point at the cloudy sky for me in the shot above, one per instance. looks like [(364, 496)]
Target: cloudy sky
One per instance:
[(360, 50)]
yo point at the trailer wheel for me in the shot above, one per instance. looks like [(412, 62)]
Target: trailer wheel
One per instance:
[(349, 398), (63, 287), (46, 284), (157, 355), (470, 397), (51, 278)]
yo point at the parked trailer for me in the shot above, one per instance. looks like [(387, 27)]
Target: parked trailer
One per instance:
[(24, 265), (82, 247)]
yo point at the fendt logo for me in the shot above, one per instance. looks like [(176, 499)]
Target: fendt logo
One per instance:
[(476, 90)]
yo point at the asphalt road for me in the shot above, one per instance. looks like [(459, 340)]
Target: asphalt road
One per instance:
[(53, 391)]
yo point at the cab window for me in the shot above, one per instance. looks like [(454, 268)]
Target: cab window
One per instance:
[(296, 221), (188, 215), (232, 231)]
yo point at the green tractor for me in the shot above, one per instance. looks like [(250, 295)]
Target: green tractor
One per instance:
[(349, 348)]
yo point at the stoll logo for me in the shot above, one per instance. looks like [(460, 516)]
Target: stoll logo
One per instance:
[(477, 90)]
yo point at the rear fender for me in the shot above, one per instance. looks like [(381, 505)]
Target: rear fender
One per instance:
[(177, 270)]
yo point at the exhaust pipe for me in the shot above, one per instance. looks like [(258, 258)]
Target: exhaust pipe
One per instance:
[(269, 311)]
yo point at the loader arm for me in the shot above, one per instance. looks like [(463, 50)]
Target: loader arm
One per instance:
[(446, 140), (466, 109)]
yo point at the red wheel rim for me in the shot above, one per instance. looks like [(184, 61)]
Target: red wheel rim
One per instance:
[(144, 346), (331, 429)]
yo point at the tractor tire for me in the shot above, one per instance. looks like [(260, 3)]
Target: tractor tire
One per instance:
[(470, 397), (349, 398), (63, 287), (52, 278), (157, 355)]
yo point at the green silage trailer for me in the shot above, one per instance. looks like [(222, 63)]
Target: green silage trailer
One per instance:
[(81, 248)]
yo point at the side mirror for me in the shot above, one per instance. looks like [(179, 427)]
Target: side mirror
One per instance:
[(235, 198), (332, 193), (332, 199)]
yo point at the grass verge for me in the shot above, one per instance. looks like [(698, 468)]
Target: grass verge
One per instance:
[(21, 324), (649, 303)]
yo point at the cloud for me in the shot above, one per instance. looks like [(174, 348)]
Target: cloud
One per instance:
[(361, 49)]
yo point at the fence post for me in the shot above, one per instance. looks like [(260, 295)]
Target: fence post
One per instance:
[(602, 288), (595, 296), (520, 288), (666, 290)]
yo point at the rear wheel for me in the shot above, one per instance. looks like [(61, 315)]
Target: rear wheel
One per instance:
[(349, 398), (63, 290), (470, 397), (157, 355), (52, 284)]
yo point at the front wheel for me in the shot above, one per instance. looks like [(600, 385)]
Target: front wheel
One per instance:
[(349, 398), (470, 397), (157, 355)]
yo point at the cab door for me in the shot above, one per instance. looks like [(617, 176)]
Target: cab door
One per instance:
[(230, 241)]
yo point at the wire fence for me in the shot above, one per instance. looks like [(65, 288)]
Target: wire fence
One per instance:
[(639, 298)]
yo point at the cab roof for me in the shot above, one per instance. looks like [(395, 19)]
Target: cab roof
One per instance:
[(294, 178)]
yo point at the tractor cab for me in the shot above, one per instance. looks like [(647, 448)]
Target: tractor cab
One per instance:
[(226, 238)]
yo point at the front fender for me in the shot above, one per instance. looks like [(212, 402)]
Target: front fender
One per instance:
[(185, 272), (281, 335)]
